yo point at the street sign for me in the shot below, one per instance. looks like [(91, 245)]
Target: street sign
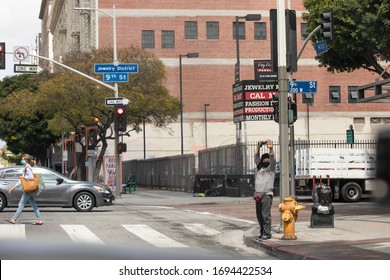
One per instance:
[(21, 54), (350, 135), (115, 77), (302, 86), (27, 68), (321, 47), (117, 101), (111, 68)]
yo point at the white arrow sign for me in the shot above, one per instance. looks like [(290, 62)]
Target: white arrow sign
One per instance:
[(27, 68), (117, 101)]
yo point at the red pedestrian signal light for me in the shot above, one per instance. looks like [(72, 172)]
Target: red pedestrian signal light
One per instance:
[(120, 118), (122, 147), (2, 55)]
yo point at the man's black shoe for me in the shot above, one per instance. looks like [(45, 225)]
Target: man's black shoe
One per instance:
[(265, 237)]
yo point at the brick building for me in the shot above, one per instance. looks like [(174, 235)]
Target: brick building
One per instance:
[(170, 28)]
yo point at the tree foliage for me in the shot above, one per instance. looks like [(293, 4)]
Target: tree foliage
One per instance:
[(70, 101), (23, 127), (361, 34)]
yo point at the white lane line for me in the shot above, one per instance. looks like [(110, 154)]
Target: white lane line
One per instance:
[(153, 237), (201, 229), (81, 234), (12, 232)]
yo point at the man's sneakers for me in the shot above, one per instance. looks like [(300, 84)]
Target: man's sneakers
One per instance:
[(263, 237)]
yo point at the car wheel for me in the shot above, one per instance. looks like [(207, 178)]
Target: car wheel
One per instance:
[(351, 192), (2, 202), (84, 202)]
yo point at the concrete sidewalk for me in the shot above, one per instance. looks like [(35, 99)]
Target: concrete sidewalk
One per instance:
[(360, 232), (360, 237)]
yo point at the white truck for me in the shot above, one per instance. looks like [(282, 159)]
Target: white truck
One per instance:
[(349, 172)]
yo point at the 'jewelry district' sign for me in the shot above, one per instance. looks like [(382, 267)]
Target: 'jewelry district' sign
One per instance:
[(252, 100)]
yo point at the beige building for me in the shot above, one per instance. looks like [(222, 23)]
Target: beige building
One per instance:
[(173, 28)]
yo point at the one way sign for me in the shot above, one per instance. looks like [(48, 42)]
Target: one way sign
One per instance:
[(27, 68), (117, 101)]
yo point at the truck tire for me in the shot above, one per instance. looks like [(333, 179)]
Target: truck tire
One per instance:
[(351, 192)]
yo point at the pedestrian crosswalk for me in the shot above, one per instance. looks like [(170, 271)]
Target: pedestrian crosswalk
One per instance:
[(78, 233), (81, 234)]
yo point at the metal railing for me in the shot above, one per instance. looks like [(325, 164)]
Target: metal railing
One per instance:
[(178, 172)]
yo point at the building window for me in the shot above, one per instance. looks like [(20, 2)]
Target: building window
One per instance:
[(212, 30), (359, 120), (191, 30), (386, 120), (375, 120), (308, 98), (334, 94), (260, 31), (241, 30), (168, 39), (148, 39), (304, 32), (353, 94)]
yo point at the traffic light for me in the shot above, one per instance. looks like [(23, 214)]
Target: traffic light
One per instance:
[(327, 30), (292, 109), (2, 55), (122, 147), (120, 118), (291, 40)]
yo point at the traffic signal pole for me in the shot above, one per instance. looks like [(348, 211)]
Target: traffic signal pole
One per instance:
[(283, 102)]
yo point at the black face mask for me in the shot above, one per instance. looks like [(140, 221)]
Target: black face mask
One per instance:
[(265, 164)]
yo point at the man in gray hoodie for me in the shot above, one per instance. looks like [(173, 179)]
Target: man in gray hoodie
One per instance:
[(264, 188)]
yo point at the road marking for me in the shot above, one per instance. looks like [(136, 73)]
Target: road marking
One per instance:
[(201, 229), (12, 232), (153, 237), (383, 247), (81, 234), (220, 216)]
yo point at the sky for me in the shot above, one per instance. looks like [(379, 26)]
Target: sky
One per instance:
[(19, 25)]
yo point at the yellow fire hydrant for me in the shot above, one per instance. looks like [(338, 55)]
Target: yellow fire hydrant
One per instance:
[(289, 209)]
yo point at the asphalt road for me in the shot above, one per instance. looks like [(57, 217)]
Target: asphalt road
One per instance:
[(144, 224)]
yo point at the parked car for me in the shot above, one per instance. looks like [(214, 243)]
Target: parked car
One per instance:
[(60, 191)]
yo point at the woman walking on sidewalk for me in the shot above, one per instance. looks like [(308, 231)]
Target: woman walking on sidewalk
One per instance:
[(26, 196)]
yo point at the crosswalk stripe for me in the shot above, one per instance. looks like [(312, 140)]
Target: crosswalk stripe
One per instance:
[(201, 229), (12, 232), (153, 237), (81, 234)]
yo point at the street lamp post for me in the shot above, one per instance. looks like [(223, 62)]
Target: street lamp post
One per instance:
[(248, 17), (116, 89), (189, 55), (237, 72), (205, 122)]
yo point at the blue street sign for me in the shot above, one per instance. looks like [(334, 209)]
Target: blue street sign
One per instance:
[(302, 86), (321, 47), (115, 77), (121, 68)]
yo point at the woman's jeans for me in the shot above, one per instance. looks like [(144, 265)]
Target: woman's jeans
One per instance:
[(27, 197)]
